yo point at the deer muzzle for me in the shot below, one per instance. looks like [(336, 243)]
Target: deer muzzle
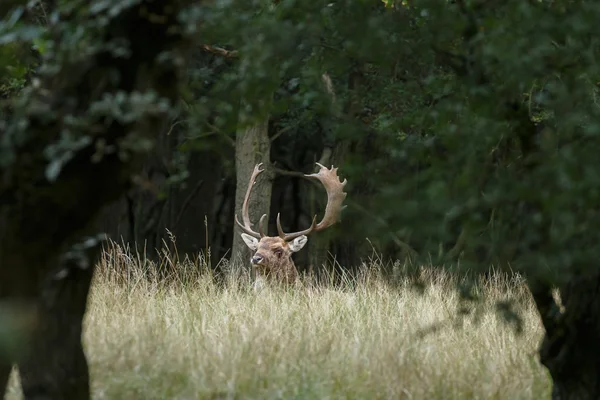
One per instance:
[(257, 259)]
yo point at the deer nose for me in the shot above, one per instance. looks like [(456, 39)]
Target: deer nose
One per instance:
[(256, 259)]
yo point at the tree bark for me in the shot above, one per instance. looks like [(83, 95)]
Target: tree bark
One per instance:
[(43, 268), (252, 146)]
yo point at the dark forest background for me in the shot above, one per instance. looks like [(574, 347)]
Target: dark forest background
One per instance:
[(468, 132)]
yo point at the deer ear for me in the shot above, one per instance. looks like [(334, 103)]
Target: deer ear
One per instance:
[(250, 241), (298, 243)]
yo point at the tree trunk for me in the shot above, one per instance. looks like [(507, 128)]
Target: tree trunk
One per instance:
[(252, 146), (57, 337), (45, 273), (5, 369), (570, 348), (334, 153)]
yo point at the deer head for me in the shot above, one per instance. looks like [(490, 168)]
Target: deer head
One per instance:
[(273, 254)]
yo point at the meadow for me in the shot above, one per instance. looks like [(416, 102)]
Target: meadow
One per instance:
[(194, 337)]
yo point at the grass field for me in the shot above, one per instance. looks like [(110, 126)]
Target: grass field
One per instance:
[(194, 339)]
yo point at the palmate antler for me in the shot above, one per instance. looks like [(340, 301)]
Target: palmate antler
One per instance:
[(247, 227), (335, 197)]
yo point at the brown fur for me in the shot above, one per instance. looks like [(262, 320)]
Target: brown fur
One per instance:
[(272, 260), (277, 263)]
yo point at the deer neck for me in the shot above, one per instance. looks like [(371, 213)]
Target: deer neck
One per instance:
[(284, 271)]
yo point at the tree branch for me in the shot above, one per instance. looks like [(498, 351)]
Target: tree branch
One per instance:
[(284, 172), (219, 51)]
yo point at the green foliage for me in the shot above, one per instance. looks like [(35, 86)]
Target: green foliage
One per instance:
[(466, 121), (15, 64), (80, 43), (508, 153), (470, 131)]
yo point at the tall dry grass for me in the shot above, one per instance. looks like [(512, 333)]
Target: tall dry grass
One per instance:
[(192, 338)]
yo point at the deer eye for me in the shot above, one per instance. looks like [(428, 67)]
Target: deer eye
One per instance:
[(278, 252)]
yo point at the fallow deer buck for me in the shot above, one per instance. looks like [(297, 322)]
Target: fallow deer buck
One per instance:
[(272, 260)]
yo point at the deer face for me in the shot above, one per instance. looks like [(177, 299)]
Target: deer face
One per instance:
[(273, 254)]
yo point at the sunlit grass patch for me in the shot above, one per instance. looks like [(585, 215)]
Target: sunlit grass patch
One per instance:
[(195, 339)]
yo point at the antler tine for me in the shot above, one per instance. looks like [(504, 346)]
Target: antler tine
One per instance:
[(290, 236), (279, 230), (247, 227), (335, 198), (247, 230), (335, 195), (261, 224)]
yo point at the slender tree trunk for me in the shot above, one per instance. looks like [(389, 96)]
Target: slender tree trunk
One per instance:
[(334, 153), (570, 348), (252, 146)]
